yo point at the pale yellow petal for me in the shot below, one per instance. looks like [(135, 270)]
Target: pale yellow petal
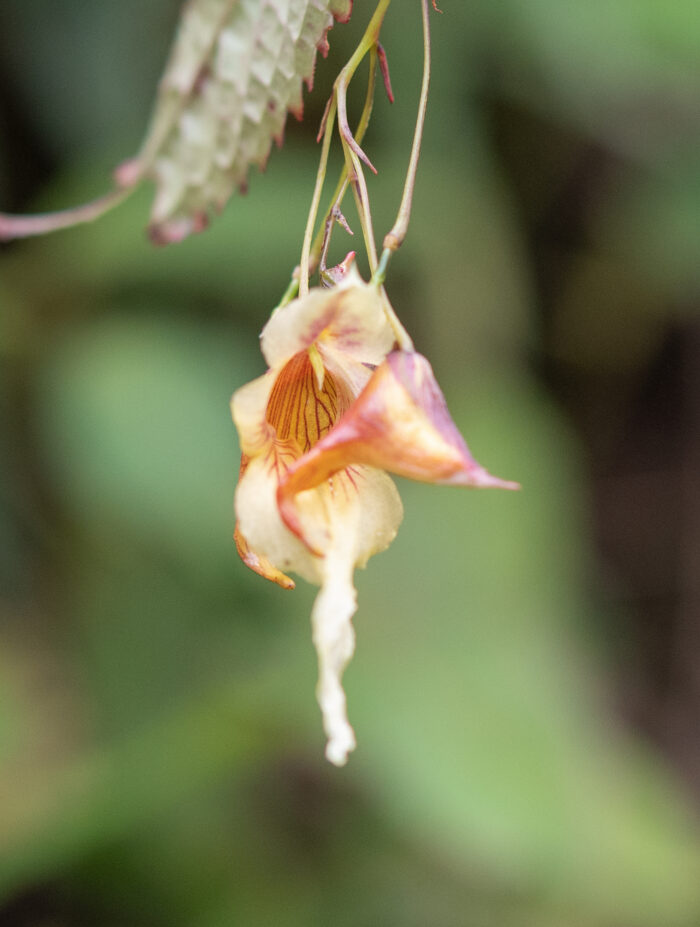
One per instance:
[(258, 564), (260, 524), (248, 407), (352, 373), (350, 318)]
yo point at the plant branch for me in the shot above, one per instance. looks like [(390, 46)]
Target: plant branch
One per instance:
[(26, 226)]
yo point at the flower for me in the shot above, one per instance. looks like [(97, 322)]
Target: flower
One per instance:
[(338, 406)]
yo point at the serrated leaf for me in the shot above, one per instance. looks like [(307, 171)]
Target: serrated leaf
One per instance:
[(235, 71)]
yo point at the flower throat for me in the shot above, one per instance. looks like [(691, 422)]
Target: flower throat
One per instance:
[(298, 409)]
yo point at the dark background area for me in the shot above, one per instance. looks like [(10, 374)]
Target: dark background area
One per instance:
[(526, 690)]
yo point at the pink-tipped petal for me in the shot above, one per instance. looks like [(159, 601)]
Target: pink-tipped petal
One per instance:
[(399, 423)]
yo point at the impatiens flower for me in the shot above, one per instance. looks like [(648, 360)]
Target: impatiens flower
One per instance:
[(337, 408)]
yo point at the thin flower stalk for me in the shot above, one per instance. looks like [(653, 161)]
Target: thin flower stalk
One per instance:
[(329, 118), (394, 239), (353, 154)]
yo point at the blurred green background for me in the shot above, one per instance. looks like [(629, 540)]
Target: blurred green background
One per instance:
[(526, 688)]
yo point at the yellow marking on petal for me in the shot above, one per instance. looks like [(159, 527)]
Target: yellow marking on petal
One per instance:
[(317, 364)]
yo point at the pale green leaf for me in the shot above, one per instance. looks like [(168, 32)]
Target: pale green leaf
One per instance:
[(235, 71)]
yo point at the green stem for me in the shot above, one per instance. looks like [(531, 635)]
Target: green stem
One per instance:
[(316, 199), (320, 245), (359, 189), (395, 237), (379, 275), (337, 104), (368, 40), (291, 290)]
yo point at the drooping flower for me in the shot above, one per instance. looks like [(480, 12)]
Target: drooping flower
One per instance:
[(337, 408)]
